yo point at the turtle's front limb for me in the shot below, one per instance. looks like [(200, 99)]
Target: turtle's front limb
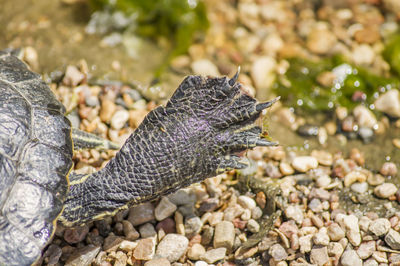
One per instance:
[(198, 134)]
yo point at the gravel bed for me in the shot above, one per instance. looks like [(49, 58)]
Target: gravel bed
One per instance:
[(211, 223)]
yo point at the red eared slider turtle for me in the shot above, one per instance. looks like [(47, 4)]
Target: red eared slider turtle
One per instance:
[(196, 135)]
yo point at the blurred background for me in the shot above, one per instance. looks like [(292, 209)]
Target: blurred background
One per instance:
[(336, 64)]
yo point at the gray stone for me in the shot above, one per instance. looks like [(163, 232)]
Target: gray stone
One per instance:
[(253, 226), (392, 239), (130, 231), (76, 234), (141, 214), (256, 213), (315, 205), (379, 226), (172, 247), (277, 252), (183, 197), (111, 243), (232, 212), (207, 235), (83, 256), (147, 230), (192, 226), (214, 255), (350, 258), (224, 235), (319, 255), (164, 209)]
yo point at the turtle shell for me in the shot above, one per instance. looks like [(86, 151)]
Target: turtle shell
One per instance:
[(35, 160)]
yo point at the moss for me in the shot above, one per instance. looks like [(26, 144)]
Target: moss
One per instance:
[(305, 92)]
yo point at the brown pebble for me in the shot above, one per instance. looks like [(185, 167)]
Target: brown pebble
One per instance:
[(388, 169), (261, 199), (168, 225), (76, 234)]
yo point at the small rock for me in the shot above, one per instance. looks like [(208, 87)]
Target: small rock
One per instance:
[(207, 236), (183, 197), (232, 212), (370, 262), (130, 231), (209, 205), (304, 163), (127, 245), (388, 169), (375, 180), (168, 225), (107, 110), (278, 252), (323, 181), (354, 176), (364, 223), (76, 234), (224, 235), (364, 117), (366, 134), (379, 226), (350, 258), (204, 67), (350, 223), (305, 243), (262, 72), (73, 76), (111, 243), (321, 238), (192, 226), (172, 247), (335, 249), (141, 214), (315, 205), (359, 187), (164, 209), (385, 190), (158, 262), (366, 249), (253, 226), (214, 255), (119, 119), (246, 202), (335, 232), (196, 251), (52, 254), (147, 230), (389, 103), (256, 213), (321, 41), (286, 169), (323, 157), (319, 255), (294, 212), (83, 256), (120, 259), (363, 54), (144, 249), (392, 239)]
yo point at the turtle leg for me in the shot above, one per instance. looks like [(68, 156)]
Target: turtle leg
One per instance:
[(86, 140)]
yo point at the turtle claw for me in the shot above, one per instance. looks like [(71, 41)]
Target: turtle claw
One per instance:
[(233, 80), (262, 106), (231, 162), (266, 143)]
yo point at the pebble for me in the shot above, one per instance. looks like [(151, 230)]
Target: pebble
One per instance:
[(350, 223), (158, 262), (294, 212), (147, 230), (277, 252), (305, 243), (363, 54), (335, 232), (304, 163), (319, 255), (354, 176), (286, 168), (83, 256), (256, 213), (167, 225), (224, 235), (214, 255), (321, 41), (392, 239), (207, 235), (145, 249), (388, 169), (196, 251), (323, 157), (366, 249), (321, 238), (380, 226), (111, 243), (76, 234), (130, 231), (164, 209), (385, 190), (107, 110), (246, 202), (232, 212), (127, 245), (73, 76), (323, 181), (366, 134), (315, 205), (350, 258), (172, 247), (141, 214), (253, 226), (192, 226), (205, 67), (359, 187), (375, 180), (262, 72), (389, 103), (364, 117), (52, 254), (335, 249), (183, 197), (119, 119)]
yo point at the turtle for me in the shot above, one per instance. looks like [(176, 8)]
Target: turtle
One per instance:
[(200, 132)]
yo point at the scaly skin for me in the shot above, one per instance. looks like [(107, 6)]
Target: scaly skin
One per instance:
[(195, 136)]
